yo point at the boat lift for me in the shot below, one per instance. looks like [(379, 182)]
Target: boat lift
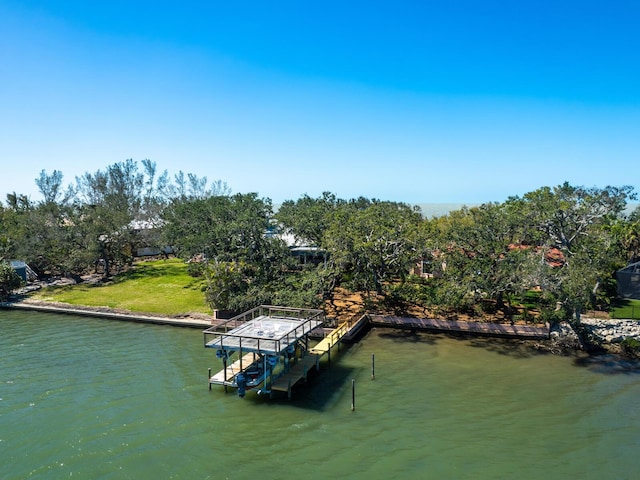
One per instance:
[(259, 346)]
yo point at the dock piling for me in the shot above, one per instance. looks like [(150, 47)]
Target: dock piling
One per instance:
[(353, 395), (373, 366), (209, 378)]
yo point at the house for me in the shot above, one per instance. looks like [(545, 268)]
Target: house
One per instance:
[(629, 281), (303, 251), (148, 238), (434, 266), (23, 270)]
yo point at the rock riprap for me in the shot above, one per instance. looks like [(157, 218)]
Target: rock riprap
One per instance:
[(612, 330)]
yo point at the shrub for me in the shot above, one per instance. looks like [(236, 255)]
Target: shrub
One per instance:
[(630, 346), (9, 280)]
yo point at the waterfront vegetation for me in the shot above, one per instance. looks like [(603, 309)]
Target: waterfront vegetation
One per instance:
[(544, 256), (166, 287)]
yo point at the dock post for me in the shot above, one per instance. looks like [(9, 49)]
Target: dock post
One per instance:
[(353, 395), (373, 366), (209, 378), (305, 374), (224, 364), (289, 390)]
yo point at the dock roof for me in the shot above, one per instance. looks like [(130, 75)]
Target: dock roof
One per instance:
[(265, 334)]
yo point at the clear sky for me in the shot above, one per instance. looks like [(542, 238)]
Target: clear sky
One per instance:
[(413, 101)]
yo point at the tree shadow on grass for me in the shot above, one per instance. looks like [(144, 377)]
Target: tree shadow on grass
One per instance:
[(145, 271)]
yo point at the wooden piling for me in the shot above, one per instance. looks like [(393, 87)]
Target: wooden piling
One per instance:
[(209, 378), (373, 366), (224, 365), (353, 395)]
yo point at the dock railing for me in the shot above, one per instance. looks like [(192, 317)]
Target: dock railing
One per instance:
[(336, 335), (267, 311), (307, 315)]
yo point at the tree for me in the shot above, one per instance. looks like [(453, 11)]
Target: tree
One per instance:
[(226, 283), (627, 232), (483, 254), (100, 220), (50, 186), (578, 222), (243, 264), (17, 202), (308, 218), (10, 228), (9, 280), (221, 228), (564, 215), (373, 242), (110, 206), (193, 187)]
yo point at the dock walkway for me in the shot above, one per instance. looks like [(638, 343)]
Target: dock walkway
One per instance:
[(300, 370), (330, 340), (296, 373), (482, 328)]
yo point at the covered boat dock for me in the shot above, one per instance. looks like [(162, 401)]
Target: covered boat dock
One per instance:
[(262, 345)]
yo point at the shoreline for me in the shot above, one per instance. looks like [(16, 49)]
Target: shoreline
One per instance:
[(109, 313), (562, 338)]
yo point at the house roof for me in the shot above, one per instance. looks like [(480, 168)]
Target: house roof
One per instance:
[(631, 268)]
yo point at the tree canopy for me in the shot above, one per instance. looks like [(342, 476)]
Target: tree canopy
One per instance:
[(559, 246)]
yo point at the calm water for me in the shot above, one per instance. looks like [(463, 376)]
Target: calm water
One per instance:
[(97, 399)]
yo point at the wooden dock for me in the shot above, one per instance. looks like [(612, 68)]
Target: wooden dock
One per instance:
[(296, 373), (476, 328), (296, 370), (299, 371), (225, 376), (330, 340)]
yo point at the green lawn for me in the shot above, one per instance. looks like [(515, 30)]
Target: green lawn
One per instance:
[(626, 309), (159, 286)]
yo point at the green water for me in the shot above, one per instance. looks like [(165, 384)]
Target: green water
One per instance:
[(83, 398)]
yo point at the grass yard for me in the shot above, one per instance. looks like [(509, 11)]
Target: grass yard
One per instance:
[(159, 286), (626, 309)]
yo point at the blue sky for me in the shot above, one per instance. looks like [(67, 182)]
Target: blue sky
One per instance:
[(420, 102)]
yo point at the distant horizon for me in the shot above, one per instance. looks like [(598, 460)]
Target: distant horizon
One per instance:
[(428, 209), (434, 209), (34, 194)]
